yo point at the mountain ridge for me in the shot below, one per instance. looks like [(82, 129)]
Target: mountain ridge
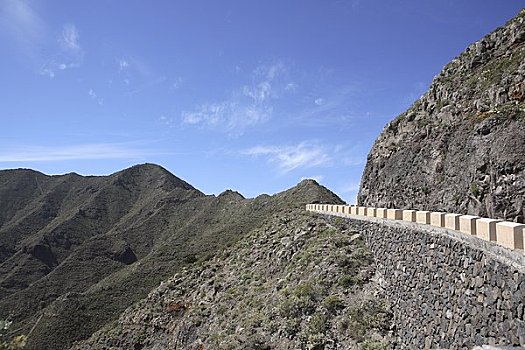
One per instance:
[(76, 251)]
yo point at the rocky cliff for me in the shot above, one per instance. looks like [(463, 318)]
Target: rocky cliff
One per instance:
[(77, 251), (461, 146)]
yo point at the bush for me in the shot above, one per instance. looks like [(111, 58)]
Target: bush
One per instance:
[(332, 303), (374, 345), (474, 189), (366, 316), (305, 290), (317, 324), (347, 281), (15, 343)]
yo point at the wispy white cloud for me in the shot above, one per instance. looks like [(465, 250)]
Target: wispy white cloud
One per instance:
[(74, 152), (247, 106), (47, 71), (177, 84), (167, 121), (258, 93), (69, 38), (147, 85), (335, 107), (319, 101), (137, 75), (270, 72), (95, 97), (307, 154), (229, 116), (22, 24), (68, 55), (122, 64), (291, 87), (288, 158), (134, 65)]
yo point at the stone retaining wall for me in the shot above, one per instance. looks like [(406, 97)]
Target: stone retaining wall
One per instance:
[(448, 289), (507, 234)]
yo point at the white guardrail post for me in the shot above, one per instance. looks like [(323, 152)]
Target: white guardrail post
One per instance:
[(507, 234)]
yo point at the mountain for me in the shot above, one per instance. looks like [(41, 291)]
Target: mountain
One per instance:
[(461, 146), (76, 251), (297, 281)]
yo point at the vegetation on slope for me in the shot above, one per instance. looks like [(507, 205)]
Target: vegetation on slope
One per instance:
[(79, 250), (297, 282)]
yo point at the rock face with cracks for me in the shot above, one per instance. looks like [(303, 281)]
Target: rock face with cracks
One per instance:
[(461, 146)]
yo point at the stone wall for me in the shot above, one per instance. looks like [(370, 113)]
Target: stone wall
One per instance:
[(448, 290), (507, 234)]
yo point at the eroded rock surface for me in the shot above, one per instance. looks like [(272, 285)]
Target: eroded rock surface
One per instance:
[(461, 146)]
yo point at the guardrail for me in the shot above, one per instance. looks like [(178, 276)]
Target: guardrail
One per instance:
[(505, 233)]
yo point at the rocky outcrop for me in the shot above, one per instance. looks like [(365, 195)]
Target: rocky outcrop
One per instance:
[(461, 146)]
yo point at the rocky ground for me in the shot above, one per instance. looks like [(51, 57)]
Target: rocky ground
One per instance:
[(298, 282)]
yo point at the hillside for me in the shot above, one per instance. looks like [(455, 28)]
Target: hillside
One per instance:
[(76, 251), (296, 282), (461, 146)]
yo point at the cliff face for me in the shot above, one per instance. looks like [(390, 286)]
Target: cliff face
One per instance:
[(461, 146)]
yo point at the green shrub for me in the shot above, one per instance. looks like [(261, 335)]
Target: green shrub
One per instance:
[(305, 290), (374, 345), (301, 301), (368, 315), (317, 323), (347, 281), (474, 189), (332, 303)]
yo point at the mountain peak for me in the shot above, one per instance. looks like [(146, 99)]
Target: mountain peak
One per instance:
[(231, 193), (144, 168), (150, 174), (308, 191), (308, 182)]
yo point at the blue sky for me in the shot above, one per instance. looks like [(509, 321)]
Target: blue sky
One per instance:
[(241, 94)]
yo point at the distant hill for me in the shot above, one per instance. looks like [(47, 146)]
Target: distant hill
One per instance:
[(461, 146), (76, 251)]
